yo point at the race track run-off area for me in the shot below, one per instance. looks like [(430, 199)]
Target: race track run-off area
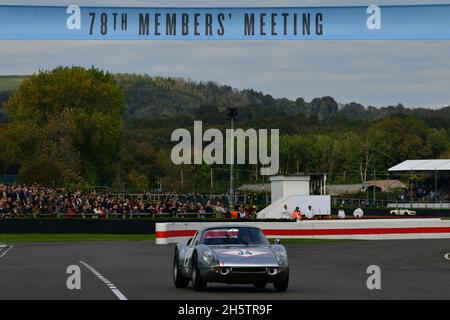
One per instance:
[(410, 269)]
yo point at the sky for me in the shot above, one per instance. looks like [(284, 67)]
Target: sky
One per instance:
[(377, 73)]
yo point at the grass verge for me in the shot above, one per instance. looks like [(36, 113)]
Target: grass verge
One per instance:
[(71, 237), (313, 241), (83, 237)]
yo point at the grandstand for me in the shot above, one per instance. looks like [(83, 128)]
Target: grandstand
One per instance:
[(428, 186)]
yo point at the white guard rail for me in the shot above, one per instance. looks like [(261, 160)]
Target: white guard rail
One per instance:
[(377, 229)]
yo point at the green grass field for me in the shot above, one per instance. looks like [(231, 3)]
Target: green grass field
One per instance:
[(72, 237), (8, 83), (313, 241)]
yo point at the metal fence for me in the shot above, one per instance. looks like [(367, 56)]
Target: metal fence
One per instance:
[(420, 205), (240, 198), (358, 202), (132, 215)]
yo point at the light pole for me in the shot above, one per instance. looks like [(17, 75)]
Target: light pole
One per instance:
[(374, 191), (232, 112)]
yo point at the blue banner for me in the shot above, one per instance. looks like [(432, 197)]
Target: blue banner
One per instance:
[(415, 22)]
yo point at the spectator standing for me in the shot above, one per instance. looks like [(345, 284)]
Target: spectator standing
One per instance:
[(341, 213), (285, 212), (242, 213), (234, 214), (297, 214), (219, 210), (209, 208), (358, 213), (309, 213)]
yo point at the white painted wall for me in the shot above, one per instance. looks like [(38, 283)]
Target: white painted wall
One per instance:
[(294, 192), (286, 186), (312, 229), (321, 205)]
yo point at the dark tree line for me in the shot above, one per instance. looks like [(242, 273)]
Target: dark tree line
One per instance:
[(86, 126)]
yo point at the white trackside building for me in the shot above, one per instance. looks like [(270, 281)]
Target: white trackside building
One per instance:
[(294, 191)]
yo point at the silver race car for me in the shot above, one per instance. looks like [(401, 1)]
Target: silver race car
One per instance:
[(232, 254)]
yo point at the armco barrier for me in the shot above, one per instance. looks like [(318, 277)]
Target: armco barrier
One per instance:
[(380, 229)]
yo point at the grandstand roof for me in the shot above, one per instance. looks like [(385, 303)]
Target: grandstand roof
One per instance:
[(386, 184), (339, 189), (257, 187), (423, 165)]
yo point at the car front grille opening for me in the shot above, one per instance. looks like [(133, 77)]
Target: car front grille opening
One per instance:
[(249, 270)]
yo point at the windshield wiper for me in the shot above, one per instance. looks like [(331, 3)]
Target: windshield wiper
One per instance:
[(246, 243)]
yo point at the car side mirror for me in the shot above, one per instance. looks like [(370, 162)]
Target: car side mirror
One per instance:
[(277, 241), (189, 241)]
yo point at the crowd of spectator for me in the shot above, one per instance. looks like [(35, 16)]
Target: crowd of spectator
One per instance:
[(22, 201), (425, 191)]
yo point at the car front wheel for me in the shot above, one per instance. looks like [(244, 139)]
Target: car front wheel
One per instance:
[(197, 282), (282, 284)]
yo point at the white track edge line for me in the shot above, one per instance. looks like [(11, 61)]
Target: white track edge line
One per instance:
[(6, 251), (108, 283)]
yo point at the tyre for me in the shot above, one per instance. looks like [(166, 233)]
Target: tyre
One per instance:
[(282, 284), (179, 280), (197, 282), (260, 285)]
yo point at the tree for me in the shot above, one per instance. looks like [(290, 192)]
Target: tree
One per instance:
[(68, 118), (365, 157)]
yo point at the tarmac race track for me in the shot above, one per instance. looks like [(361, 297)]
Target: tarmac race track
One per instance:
[(410, 269)]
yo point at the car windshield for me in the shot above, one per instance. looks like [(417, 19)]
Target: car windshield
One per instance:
[(233, 236)]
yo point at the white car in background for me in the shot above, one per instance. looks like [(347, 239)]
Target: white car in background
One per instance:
[(403, 212)]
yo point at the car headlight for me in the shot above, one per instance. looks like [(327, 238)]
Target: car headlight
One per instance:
[(208, 256), (281, 256)]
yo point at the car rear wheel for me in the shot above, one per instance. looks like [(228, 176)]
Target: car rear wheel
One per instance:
[(282, 284), (179, 280), (197, 282)]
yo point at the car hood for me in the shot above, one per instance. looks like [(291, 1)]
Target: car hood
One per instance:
[(245, 256)]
